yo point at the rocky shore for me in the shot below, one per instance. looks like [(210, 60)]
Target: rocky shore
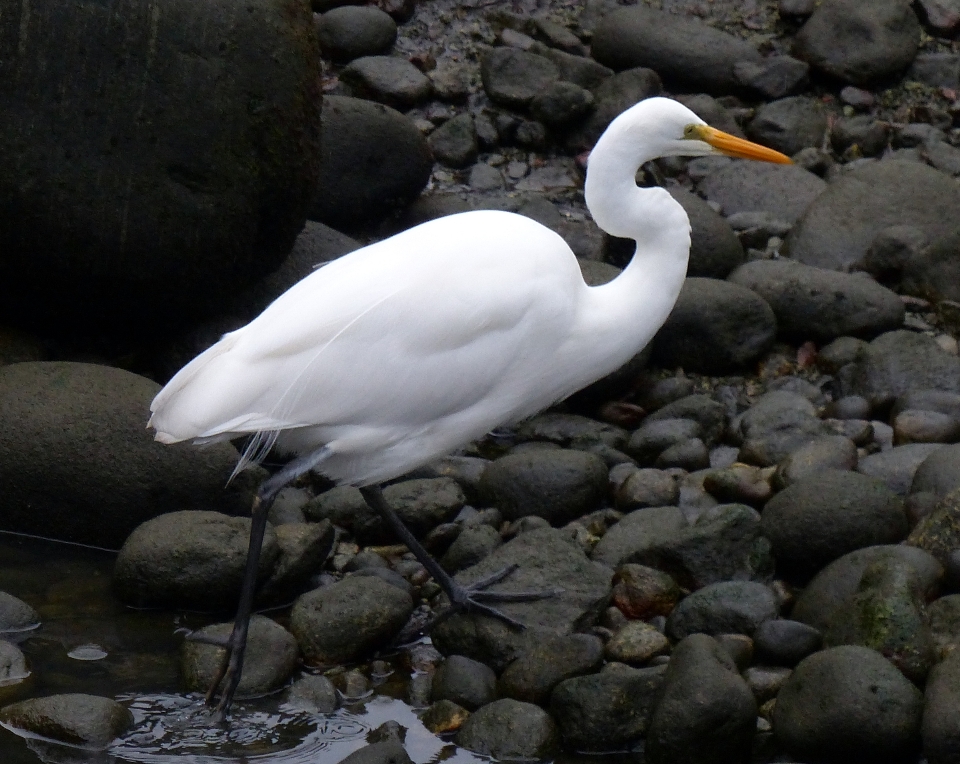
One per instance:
[(755, 524)]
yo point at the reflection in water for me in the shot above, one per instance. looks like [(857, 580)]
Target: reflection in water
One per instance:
[(90, 643)]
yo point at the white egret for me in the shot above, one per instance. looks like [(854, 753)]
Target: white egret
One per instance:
[(407, 349)]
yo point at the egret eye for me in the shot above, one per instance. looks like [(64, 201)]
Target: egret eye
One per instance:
[(690, 132)]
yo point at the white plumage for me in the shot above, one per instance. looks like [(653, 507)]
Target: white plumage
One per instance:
[(406, 349)]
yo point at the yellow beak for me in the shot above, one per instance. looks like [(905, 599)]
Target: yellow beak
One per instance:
[(738, 147)]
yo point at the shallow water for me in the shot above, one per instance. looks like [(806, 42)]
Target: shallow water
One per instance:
[(88, 642)]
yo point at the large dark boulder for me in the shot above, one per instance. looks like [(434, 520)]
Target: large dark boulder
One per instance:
[(156, 156), (76, 462)]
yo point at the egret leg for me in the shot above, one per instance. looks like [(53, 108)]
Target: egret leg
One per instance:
[(231, 668), (462, 598)]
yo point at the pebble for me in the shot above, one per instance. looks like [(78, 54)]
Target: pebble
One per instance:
[(455, 143), (789, 124), (514, 77), (726, 607), (642, 592), (646, 488), (783, 191), (783, 642), (636, 643), (533, 674), (16, 615)]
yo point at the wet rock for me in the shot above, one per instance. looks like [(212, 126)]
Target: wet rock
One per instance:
[(822, 517), (714, 248), (783, 191), (16, 615), (514, 77), (303, 549), (470, 547), (571, 429), (897, 362), (778, 423), (775, 77), (943, 618), (714, 328), (465, 682), (181, 177), (561, 103), (344, 507), (424, 503), (509, 729), (790, 124), (637, 533), (81, 720), (727, 607), (938, 472), (831, 590), (897, 466), (556, 485), (606, 710), (707, 714), (386, 752), (690, 455), (859, 43), (739, 484), (655, 436), (681, 49), (862, 134), (887, 615), (191, 559), (113, 488), (13, 665), (783, 642), (839, 226), (837, 354), (314, 693), (444, 716), (941, 726), (270, 658), (829, 452), (353, 31), (388, 80), (454, 143), (928, 400), (919, 266), (848, 703), (765, 681), (612, 96), (532, 676), (577, 69), (939, 531), (349, 619), (636, 643), (916, 426), (547, 561), (642, 592), (813, 303), (374, 161), (711, 415), (646, 488)]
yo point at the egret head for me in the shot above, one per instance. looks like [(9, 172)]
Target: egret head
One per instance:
[(662, 127)]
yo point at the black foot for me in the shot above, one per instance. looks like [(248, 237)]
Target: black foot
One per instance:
[(472, 598), (229, 672)]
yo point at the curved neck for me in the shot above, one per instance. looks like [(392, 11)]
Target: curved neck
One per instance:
[(622, 316)]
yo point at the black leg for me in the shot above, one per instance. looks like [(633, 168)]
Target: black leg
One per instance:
[(462, 598), (231, 669)]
